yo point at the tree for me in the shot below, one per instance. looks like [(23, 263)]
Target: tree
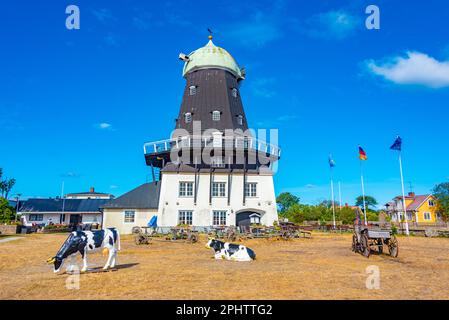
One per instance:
[(347, 215), (7, 213), (371, 202), (6, 185), (285, 201), (441, 194)]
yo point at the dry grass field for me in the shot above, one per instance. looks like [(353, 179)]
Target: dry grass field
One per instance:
[(319, 268)]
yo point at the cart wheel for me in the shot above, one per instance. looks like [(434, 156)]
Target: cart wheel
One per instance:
[(285, 235), (171, 236), (136, 230), (364, 243), (354, 243), (138, 239), (393, 247), (192, 238), (380, 246)]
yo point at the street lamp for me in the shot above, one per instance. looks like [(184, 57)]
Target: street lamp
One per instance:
[(17, 205)]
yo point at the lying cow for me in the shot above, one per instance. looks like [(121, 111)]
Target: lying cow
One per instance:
[(85, 241), (230, 251)]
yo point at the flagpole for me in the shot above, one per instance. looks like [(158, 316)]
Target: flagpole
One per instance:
[(63, 203), (333, 202), (339, 193), (404, 208), (363, 192)]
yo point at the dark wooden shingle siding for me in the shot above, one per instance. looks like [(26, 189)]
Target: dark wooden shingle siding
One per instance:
[(213, 93)]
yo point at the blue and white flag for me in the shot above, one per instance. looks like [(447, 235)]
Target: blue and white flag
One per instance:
[(397, 145), (331, 161)]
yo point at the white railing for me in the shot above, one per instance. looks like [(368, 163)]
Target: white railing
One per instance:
[(239, 143)]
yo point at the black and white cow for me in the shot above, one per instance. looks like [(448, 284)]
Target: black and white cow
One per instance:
[(85, 241), (229, 251)]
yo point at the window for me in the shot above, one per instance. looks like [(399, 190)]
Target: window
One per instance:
[(240, 120), (188, 117), (219, 189), (427, 216), (431, 203), (185, 217), (130, 216), (251, 190), (255, 218), (186, 189), (219, 218), (216, 115), (234, 92), (217, 162), (192, 90), (36, 217)]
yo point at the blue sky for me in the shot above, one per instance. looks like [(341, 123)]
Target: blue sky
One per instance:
[(77, 105)]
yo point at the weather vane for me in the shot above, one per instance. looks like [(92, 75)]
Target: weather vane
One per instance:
[(210, 33)]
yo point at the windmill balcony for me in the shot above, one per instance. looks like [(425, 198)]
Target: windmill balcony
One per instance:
[(161, 149)]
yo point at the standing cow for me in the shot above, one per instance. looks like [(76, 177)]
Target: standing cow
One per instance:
[(229, 251), (85, 241)]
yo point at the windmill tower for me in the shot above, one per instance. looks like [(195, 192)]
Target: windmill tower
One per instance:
[(213, 171)]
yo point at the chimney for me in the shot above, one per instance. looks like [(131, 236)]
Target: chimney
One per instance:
[(411, 194), (92, 189)]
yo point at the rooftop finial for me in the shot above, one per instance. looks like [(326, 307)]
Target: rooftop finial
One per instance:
[(210, 33)]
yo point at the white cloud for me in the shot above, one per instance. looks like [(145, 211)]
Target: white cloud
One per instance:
[(103, 126), (103, 15), (337, 24), (415, 68)]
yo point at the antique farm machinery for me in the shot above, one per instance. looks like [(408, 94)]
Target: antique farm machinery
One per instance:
[(374, 237), (144, 235)]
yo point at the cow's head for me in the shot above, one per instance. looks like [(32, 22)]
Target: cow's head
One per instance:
[(214, 244), (57, 261), (69, 247)]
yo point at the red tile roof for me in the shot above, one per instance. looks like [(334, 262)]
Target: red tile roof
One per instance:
[(417, 202)]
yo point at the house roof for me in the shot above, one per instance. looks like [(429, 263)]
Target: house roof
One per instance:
[(56, 205), (417, 202), (145, 196), (89, 193)]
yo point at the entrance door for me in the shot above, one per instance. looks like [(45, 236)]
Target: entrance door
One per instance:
[(245, 219), (75, 219)]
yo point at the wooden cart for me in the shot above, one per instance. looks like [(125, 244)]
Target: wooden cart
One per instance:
[(182, 233), (144, 235), (367, 239)]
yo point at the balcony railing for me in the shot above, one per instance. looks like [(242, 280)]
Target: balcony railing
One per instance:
[(239, 143)]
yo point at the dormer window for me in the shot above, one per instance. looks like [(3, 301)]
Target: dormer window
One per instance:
[(217, 162), (192, 90), (240, 120), (188, 117), (216, 115), (234, 92)]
